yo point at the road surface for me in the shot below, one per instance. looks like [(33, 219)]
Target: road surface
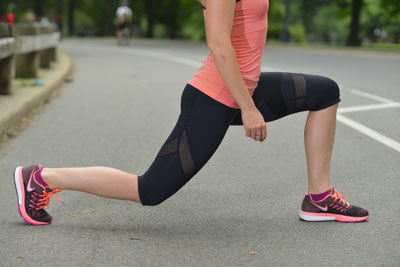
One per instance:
[(242, 207)]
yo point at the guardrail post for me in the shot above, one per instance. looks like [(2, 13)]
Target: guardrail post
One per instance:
[(6, 58), (47, 55), (27, 59)]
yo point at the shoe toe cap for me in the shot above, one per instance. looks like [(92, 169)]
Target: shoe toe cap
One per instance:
[(358, 212), (41, 216)]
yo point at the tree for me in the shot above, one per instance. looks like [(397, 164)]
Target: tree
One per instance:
[(392, 8), (71, 11), (150, 17), (2, 10), (38, 8), (354, 38)]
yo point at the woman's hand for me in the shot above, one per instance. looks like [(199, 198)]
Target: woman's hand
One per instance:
[(254, 124)]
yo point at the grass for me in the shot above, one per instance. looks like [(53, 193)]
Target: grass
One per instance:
[(371, 46), (382, 46)]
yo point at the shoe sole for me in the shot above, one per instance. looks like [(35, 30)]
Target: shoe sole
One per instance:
[(19, 188), (318, 217)]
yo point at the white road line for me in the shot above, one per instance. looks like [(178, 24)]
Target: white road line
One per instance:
[(186, 61), (368, 107), (176, 59), (369, 132), (370, 96)]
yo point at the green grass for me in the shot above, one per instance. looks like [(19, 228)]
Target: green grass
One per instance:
[(382, 46), (371, 46)]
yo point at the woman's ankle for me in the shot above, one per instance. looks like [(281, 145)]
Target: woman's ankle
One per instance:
[(48, 176)]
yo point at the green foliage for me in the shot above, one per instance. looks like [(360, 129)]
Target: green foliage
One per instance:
[(309, 21), (276, 15), (193, 28), (298, 34), (381, 22), (328, 25), (160, 31), (84, 24)]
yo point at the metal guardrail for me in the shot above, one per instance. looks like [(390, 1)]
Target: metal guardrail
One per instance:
[(6, 58), (30, 46)]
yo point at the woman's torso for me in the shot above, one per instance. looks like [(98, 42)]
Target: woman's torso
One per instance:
[(248, 37)]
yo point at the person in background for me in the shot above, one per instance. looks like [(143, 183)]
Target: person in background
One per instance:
[(59, 21), (9, 17), (30, 16), (123, 18)]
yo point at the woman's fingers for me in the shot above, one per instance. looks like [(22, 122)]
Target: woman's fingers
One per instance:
[(264, 133), (248, 132), (253, 134), (258, 134), (254, 124)]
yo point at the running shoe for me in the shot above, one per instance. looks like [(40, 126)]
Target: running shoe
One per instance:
[(331, 208), (32, 196)]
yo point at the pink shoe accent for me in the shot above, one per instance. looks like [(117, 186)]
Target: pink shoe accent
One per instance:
[(28, 219), (322, 196), (38, 177), (338, 217)]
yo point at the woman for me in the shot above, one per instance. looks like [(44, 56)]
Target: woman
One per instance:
[(229, 89)]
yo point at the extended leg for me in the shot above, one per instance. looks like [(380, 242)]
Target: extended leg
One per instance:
[(101, 181), (199, 131)]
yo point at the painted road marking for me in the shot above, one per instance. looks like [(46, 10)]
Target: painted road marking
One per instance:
[(368, 107), (369, 132), (370, 96), (385, 103)]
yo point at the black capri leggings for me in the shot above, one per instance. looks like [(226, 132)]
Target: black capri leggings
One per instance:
[(204, 121)]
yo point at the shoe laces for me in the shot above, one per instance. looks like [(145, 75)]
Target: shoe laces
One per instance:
[(337, 196), (42, 200)]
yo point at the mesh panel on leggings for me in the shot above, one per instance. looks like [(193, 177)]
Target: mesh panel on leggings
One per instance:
[(169, 147), (186, 156), (180, 144), (300, 86)]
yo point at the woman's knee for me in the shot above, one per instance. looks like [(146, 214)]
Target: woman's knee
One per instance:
[(327, 94), (333, 89), (153, 200), (148, 192), (155, 189)]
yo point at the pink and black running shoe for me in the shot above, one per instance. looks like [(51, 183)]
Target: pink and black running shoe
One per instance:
[(331, 208), (32, 196)]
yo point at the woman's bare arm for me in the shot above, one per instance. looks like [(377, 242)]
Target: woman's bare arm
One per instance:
[(218, 23)]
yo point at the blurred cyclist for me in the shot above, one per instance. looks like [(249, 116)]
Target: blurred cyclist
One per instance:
[(123, 19)]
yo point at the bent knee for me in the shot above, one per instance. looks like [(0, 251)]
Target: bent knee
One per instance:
[(328, 94), (149, 193), (153, 201), (333, 89), (154, 190)]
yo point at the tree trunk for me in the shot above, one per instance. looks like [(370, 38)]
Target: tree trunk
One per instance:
[(285, 35), (354, 38), (38, 8), (71, 11), (150, 17), (2, 13), (16, 10), (173, 26)]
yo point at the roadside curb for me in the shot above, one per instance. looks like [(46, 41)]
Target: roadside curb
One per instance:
[(23, 100)]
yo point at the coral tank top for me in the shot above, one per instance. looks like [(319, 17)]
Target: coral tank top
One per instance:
[(249, 33)]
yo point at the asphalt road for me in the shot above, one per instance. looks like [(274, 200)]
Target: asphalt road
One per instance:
[(118, 111)]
